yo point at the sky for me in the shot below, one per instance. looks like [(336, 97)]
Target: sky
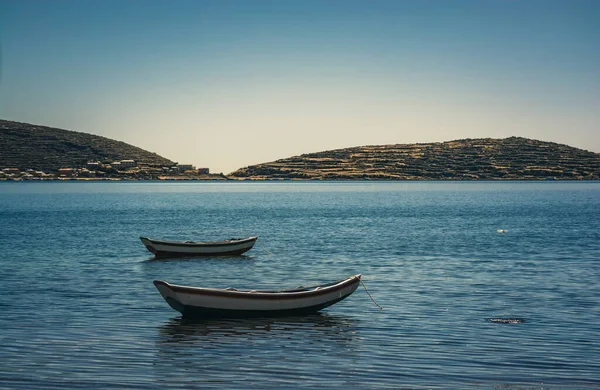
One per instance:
[(226, 84)]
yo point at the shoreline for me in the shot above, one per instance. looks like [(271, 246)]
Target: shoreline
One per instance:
[(229, 179)]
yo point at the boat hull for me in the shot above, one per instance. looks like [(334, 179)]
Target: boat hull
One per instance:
[(186, 249), (219, 303)]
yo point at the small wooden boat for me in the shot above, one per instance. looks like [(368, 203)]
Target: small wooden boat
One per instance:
[(234, 246), (233, 303)]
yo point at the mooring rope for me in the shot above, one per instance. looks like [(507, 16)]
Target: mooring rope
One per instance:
[(365, 287), (261, 245)]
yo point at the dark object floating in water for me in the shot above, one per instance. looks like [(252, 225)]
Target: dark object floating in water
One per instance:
[(506, 320)]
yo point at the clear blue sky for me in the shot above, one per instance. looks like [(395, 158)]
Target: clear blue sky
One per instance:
[(224, 84)]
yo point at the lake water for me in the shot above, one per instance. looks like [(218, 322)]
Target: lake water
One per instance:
[(444, 259)]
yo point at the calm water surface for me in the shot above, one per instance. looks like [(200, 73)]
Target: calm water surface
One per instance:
[(445, 260)]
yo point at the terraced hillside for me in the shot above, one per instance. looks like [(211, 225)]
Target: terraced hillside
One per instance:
[(511, 158), (27, 146)]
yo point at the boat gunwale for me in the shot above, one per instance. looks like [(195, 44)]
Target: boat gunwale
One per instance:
[(200, 244), (309, 292)]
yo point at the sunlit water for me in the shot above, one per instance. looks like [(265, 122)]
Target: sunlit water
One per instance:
[(493, 285)]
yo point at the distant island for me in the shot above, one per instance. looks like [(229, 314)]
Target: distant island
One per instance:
[(33, 152), (511, 158)]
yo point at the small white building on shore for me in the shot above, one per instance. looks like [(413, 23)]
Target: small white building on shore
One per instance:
[(185, 167)]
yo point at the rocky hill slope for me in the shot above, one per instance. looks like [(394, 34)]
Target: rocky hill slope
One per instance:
[(27, 146), (511, 158)]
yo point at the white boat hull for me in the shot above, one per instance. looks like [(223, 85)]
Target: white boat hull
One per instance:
[(207, 302), (219, 248)]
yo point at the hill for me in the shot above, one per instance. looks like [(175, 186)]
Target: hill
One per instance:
[(511, 158), (27, 146)]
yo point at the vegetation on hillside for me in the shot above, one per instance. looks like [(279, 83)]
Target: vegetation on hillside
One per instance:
[(25, 146), (511, 158), (31, 147)]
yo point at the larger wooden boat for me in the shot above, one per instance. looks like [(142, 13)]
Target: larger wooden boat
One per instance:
[(233, 303), (234, 246)]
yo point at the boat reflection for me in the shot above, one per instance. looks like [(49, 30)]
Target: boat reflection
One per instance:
[(183, 329), (254, 353), (165, 258)]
